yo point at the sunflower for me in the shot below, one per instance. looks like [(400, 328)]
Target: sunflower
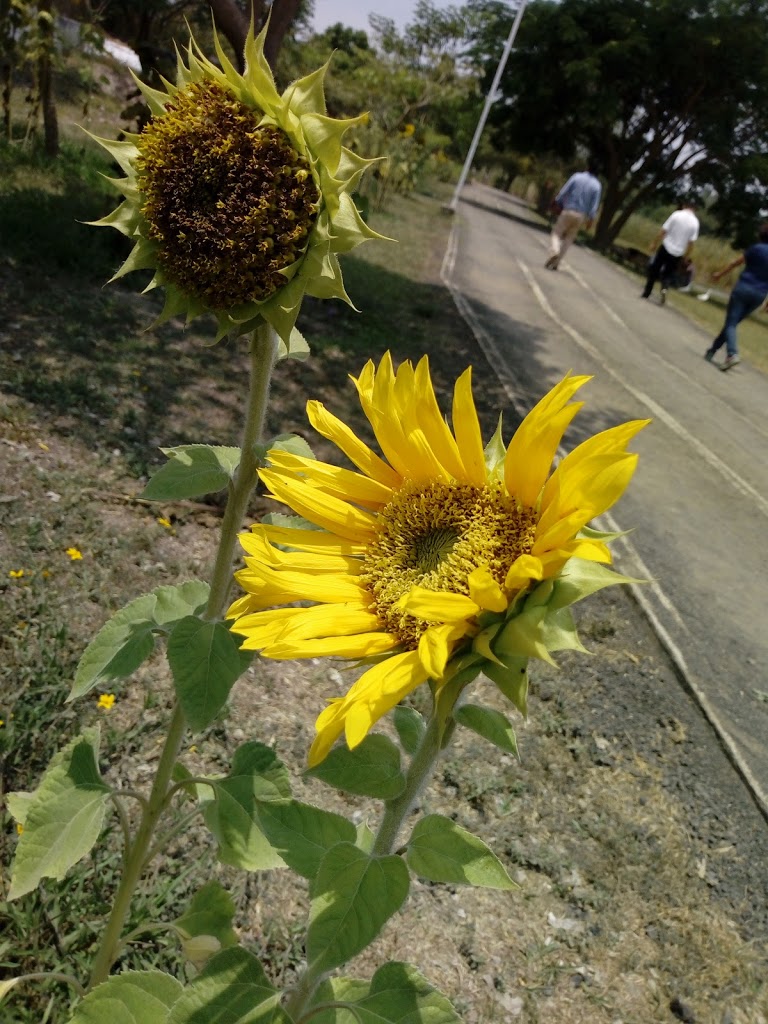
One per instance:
[(237, 197), (442, 558)]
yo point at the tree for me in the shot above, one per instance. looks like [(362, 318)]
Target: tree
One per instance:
[(654, 90)]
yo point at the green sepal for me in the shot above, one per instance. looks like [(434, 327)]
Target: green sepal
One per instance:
[(522, 636), (303, 834), (397, 994), (580, 577), (257, 775), (132, 997), (297, 346), (439, 850), (128, 638), (490, 724), (232, 988), (371, 769), (192, 470), (512, 679), (63, 817), (205, 662), (495, 453), (559, 631), (206, 925), (353, 896), (410, 727)]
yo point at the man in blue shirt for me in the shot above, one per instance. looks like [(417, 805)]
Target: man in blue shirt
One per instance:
[(578, 201)]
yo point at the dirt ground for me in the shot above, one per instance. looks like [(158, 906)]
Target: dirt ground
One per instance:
[(640, 856)]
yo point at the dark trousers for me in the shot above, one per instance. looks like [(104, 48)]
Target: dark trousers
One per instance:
[(663, 265)]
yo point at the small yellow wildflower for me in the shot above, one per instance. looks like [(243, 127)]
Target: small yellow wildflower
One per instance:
[(165, 522), (74, 554), (106, 701), (407, 130), (16, 574), (43, 445), (193, 748), (19, 827), (45, 573), (2, 723)]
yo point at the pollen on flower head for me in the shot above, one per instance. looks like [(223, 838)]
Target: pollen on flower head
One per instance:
[(106, 701), (229, 201)]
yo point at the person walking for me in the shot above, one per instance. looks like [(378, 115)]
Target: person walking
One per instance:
[(673, 242), (749, 292), (577, 201)]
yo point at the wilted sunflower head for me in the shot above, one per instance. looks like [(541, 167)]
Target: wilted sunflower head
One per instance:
[(438, 560), (237, 197)]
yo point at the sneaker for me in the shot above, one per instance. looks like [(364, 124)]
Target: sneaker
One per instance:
[(551, 263), (663, 296), (709, 355), (729, 361)]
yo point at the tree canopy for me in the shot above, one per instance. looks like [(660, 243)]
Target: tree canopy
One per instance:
[(657, 91)]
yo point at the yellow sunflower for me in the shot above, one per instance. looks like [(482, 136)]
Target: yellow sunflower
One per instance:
[(236, 196), (443, 556)]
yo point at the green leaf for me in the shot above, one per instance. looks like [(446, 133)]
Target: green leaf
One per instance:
[(397, 994), (127, 639), (371, 769), (206, 927), (19, 804), (440, 851), (191, 471), (205, 662), (410, 727), (338, 990), (231, 989), (353, 897), (293, 443), (365, 837), (490, 724), (297, 347), (512, 679), (303, 834), (64, 818), (133, 997), (232, 815)]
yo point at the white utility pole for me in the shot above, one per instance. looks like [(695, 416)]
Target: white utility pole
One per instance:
[(490, 99)]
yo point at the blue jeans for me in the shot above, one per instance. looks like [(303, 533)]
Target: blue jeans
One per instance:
[(743, 301)]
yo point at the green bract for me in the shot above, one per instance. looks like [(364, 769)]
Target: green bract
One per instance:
[(236, 197)]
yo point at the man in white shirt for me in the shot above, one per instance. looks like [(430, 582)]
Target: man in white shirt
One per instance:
[(675, 240)]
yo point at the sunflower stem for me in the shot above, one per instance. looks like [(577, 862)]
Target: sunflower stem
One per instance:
[(263, 351), (395, 813), (419, 773)]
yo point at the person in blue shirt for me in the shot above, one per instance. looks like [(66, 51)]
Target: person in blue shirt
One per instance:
[(749, 292), (577, 201)]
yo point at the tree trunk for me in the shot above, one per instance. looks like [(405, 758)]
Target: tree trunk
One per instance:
[(45, 79), (233, 24)]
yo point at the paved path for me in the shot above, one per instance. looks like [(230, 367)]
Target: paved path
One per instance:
[(698, 505)]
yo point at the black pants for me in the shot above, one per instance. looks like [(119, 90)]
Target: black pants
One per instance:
[(663, 265)]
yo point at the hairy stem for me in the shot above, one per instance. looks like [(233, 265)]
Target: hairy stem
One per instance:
[(395, 812), (263, 350)]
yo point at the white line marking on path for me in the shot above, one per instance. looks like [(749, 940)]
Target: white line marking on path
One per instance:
[(658, 411)]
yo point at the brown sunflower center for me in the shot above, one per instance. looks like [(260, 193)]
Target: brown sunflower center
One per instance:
[(433, 537), (230, 203)]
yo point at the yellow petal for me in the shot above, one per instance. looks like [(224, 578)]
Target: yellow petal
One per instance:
[(272, 587), (524, 569), (485, 591), (328, 726), (331, 513), (361, 645), (341, 483), (357, 451), (437, 606), (466, 427), (258, 547), (317, 541), (382, 687), (262, 627), (332, 620), (436, 646), (432, 422)]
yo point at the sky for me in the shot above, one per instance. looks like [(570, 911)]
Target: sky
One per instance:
[(355, 12)]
